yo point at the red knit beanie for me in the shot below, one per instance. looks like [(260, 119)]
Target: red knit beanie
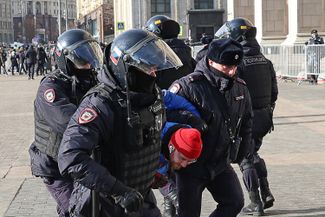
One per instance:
[(188, 142)]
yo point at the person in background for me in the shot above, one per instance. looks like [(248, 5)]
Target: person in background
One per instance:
[(31, 58), (260, 77), (41, 60), (314, 55), (3, 59), (168, 29), (14, 62), (22, 57)]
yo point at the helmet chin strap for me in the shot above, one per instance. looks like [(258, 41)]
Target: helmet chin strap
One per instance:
[(132, 119)]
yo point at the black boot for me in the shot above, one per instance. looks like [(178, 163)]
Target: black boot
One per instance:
[(266, 194), (255, 208)]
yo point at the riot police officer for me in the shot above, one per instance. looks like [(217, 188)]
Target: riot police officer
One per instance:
[(120, 122), (224, 104), (259, 75), (168, 29), (78, 56)]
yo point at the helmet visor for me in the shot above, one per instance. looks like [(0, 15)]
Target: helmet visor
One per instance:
[(87, 55), (152, 56), (223, 32)]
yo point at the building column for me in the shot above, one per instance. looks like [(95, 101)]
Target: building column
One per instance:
[(230, 10), (292, 22), (258, 19)]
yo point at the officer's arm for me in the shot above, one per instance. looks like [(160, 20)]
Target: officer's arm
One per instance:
[(246, 130), (55, 105), (85, 130), (275, 91), (173, 101)]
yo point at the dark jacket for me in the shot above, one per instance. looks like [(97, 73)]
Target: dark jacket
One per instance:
[(202, 53), (317, 40), (201, 88), (260, 77), (54, 116), (31, 56), (166, 77)]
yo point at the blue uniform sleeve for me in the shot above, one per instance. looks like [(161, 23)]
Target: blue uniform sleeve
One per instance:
[(90, 124), (54, 103), (173, 101)]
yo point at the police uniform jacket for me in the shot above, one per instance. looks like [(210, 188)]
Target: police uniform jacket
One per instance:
[(166, 77), (53, 107), (260, 77), (200, 88)]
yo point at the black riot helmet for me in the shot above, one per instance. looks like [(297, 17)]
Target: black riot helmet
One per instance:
[(239, 29), (77, 51), (163, 26), (141, 53)]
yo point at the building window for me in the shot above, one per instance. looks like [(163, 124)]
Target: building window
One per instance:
[(160, 7), (203, 4), (45, 8), (38, 8), (30, 7)]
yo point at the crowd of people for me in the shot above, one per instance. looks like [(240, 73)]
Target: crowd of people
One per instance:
[(27, 60), (112, 124)]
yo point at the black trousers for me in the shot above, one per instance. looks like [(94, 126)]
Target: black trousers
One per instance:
[(225, 189)]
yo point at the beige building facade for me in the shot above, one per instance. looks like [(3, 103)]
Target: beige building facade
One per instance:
[(281, 21), (85, 7), (6, 27), (96, 17), (277, 21), (194, 16)]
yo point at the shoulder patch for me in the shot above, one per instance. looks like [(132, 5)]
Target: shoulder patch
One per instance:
[(49, 95), (87, 115), (195, 77), (239, 80), (175, 88)]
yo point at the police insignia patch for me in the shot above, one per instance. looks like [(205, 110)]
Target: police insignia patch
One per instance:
[(87, 115), (174, 88), (49, 95)]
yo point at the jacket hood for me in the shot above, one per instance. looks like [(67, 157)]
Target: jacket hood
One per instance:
[(251, 47)]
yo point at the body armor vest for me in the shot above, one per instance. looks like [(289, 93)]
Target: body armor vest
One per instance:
[(256, 73), (132, 153), (47, 140)]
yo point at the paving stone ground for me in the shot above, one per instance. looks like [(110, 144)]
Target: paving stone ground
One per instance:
[(294, 153)]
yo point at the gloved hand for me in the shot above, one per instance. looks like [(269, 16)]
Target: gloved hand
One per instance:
[(131, 201), (128, 198)]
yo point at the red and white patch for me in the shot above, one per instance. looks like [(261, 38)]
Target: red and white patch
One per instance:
[(175, 88), (87, 115), (49, 95)]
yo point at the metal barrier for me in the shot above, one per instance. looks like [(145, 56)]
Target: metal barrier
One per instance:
[(292, 61)]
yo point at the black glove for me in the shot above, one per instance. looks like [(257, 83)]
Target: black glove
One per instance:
[(131, 201)]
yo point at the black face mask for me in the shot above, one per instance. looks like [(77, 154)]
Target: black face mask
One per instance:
[(139, 81)]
